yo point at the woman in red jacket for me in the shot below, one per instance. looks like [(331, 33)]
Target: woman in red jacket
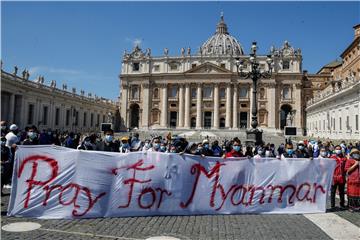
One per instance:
[(338, 178), (353, 182)]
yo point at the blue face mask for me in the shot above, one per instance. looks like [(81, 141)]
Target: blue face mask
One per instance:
[(125, 145), (109, 138), (163, 148), (206, 146), (290, 151), (236, 148), (156, 145)]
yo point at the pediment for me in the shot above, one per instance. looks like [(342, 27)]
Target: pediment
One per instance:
[(208, 68)]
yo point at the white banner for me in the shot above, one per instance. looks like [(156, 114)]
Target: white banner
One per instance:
[(57, 182)]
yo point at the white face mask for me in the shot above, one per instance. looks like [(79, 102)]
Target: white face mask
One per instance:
[(337, 151), (267, 153), (260, 152), (323, 154)]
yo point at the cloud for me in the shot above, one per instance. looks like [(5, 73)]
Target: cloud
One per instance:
[(44, 70), (134, 41)]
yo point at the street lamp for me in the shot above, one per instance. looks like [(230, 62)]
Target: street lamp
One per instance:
[(254, 134)]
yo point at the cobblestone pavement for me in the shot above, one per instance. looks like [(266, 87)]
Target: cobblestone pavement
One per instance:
[(182, 227)]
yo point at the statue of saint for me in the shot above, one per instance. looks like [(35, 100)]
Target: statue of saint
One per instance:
[(166, 51), (15, 70)]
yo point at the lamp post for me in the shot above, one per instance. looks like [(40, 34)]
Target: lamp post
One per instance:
[(254, 135)]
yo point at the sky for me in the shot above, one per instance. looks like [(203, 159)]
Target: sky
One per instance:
[(82, 43)]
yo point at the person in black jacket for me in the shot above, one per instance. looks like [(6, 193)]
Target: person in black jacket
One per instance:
[(108, 144)]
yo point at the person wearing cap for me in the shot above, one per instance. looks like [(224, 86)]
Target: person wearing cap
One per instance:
[(11, 137), (235, 150), (135, 143), (352, 169), (125, 147), (302, 151), (108, 144), (339, 180), (206, 150)]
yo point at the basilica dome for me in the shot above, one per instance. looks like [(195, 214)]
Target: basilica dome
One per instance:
[(221, 43)]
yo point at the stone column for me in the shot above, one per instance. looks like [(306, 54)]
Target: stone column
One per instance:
[(124, 105), (187, 106), (235, 107), (271, 105), (12, 109), (145, 105), (216, 106), (251, 105), (181, 106), (164, 109), (198, 106), (23, 118), (228, 106), (298, 107)]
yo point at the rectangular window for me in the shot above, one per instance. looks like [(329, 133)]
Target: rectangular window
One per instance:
[(67, 117), (92, 120), (347, 122), (156, 68), (243, 92), (193, 65), (356, 122), (173, 91), (173, 66), (84, 120), (340, 123), (98, 120), (30, 114), (45, 115), (207, 92), (57, 116), (76, 118), (222, 93), (222, 65), (193, 92), (136, 66)]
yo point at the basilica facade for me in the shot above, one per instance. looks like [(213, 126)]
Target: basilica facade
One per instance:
[(203, 90)]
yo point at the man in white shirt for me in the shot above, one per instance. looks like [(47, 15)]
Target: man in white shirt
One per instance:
[(11, 137)]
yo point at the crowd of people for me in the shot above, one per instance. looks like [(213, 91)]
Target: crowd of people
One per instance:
[(347, 156)]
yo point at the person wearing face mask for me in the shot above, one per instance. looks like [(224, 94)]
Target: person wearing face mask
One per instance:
[(338, 177), (172, 149), (11, 137), (269, 153), (31, 138), (352, 169), (323, 153), (125, 146), (163, 147), (135, 143), (289, 151), (217, 150), (260, 153), (206, 151), (86, 144), (302, 151), (108, 144), (155, 145), (236, 150), (147, 145)]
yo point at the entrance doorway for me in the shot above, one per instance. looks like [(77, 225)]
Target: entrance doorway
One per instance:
[(207, 120), (222, 122), (243, 119), (284, 111), (173, 119), (134, 115), (193, 122)]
